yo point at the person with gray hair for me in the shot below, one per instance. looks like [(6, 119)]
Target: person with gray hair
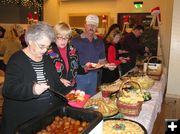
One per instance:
[(30, 73)]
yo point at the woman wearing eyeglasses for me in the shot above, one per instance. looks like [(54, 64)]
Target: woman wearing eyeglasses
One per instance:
[(29, 75), (65, 57)]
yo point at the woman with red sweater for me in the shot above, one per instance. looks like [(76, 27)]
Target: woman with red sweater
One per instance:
[(112, 55)]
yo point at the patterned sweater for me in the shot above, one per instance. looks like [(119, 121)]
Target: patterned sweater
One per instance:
[(73, 61)]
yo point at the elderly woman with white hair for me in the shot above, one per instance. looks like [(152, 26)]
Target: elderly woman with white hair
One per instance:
[(29, 75)]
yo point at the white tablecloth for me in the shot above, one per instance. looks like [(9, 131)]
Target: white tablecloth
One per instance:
[(151, 108)]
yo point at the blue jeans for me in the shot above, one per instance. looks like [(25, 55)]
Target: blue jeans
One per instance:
[(87, 82)]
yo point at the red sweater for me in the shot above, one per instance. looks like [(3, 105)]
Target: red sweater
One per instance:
[(112, 55), (63, 53)]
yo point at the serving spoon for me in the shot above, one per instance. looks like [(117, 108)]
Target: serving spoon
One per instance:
[(58, 94), (55, 92)]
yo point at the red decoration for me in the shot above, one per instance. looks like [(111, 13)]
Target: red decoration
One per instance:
[(32, 17), (35, 17), (156, 12), (126, 19), (104, 18), (29, 16)]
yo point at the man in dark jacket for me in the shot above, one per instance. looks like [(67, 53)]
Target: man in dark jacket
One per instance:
[(132, 44)]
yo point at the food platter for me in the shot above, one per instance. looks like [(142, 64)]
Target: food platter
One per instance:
[(77, 98), (40, 122), (111, 115), (94, 66), (123, 126), (107, 107)]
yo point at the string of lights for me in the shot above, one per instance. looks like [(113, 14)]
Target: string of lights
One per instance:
[(37, 4), (33, 4)]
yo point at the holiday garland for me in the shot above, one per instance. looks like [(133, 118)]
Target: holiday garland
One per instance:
[(33, 4), (25, 3)]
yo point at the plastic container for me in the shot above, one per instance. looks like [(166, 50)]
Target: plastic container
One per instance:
[(38, 123)]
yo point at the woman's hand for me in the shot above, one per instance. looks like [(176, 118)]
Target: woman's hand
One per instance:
[(124, 59), (87, 65), (39, 88), (65, 82)]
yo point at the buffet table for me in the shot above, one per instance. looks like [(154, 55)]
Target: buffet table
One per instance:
[(151, 108)]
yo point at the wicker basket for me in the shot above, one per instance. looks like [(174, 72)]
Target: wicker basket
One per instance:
[(153, 70), (128, 109)]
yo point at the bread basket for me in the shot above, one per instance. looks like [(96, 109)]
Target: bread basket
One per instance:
[(128, 108), (108, 89)]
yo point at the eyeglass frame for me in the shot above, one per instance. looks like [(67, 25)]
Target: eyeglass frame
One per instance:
[(40, 47), (62, 38)]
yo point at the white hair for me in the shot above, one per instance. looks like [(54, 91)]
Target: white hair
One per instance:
[(38, 31)]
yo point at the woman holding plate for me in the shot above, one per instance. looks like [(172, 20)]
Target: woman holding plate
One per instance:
[(64, 56), (112, 57)]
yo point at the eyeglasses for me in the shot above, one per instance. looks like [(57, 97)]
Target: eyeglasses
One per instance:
[(42, 47), (62, 38)]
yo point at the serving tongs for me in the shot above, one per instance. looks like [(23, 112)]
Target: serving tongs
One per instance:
[(60, 95), (92, 107)]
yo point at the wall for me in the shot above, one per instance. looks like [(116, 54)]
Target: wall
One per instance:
[(10, 25), (165, 28), (51, 11), (174, 65), (84, 7)]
